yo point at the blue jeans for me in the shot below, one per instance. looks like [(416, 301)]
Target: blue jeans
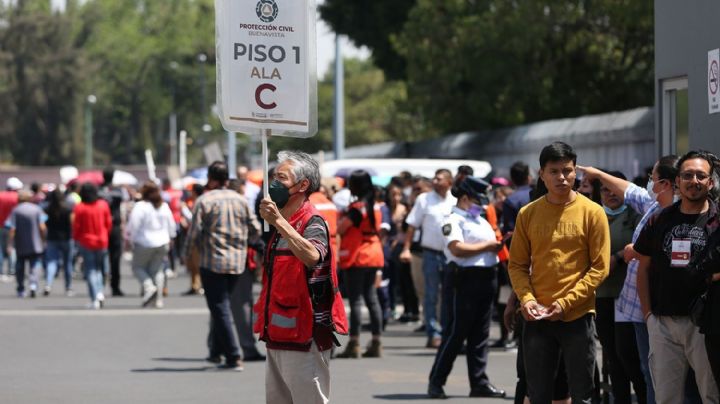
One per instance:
[(93, 265), (643, 345), (433, 266), (3, 251), (35, 262), (56, 251)]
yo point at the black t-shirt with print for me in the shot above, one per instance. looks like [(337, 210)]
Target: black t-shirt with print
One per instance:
[(672, 288)]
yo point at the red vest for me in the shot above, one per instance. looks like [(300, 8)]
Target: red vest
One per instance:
[(285, 310), (360, 247)]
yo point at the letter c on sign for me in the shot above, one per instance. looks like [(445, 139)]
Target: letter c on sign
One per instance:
[(258, 93)]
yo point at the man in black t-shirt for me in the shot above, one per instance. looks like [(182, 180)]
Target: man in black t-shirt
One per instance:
[(669, 246)]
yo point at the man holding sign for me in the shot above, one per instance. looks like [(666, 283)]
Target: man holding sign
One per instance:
[(559, 254), (669, 247), (299, 307)]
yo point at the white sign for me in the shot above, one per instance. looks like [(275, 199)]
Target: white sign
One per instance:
[(713, 83), (266, 66)]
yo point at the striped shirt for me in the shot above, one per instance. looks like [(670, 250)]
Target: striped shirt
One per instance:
[(627, 305), (221, 225)]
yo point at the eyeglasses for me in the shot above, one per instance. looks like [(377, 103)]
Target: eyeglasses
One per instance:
[(689, 175)]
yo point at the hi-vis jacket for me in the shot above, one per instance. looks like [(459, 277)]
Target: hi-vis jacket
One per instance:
[(360, 247), (294, 297)]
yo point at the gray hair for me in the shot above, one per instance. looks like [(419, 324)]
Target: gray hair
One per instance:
[(303, 166)]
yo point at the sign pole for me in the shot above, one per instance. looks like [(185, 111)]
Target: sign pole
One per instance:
[(266, 133)]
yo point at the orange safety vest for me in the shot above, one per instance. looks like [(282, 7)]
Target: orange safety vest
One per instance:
[(329, 212), (491, 214), (285, 312), (360, 247)]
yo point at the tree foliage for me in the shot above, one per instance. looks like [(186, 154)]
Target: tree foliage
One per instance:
[(371, 24), (374, 110), (492, 63)]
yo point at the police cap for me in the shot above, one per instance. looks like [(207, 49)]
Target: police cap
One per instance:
[(474, 188)]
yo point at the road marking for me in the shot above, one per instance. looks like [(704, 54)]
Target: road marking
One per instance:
[(103, 313)]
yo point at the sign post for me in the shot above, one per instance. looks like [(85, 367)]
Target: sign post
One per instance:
[(713, 81), (266, 69)]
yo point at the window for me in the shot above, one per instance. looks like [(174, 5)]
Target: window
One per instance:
[(675, 134)]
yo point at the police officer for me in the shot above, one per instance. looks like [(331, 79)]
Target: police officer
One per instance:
[(471, 247)]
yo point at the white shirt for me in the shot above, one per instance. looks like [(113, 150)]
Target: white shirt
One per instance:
[(461, 226), (429, 212), (150, 227), (251, 193)]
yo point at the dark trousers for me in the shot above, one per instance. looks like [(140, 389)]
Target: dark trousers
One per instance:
[(241, 301), (360, 284), (114, 254), (470, 292), (543, 343), (218, 290), (407, 288), (712, 346), (627, 352), (560, 388), (620, 353)]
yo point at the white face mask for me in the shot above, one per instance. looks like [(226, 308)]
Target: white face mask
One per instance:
[(654, 196), (649, 189)]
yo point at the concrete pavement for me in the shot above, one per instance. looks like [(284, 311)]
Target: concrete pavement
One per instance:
[(54, 350)]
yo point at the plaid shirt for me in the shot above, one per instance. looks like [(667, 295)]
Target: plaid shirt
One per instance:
[(221, 225), (627, 305)]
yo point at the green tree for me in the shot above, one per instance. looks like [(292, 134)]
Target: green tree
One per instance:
[(371, 24), (145, 61), (374, 110), (41, 68), (492, 63)]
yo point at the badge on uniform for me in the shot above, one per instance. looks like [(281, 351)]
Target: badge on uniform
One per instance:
[(681, 250), (446, 229)]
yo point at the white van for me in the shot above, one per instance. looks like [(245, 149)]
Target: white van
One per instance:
[(387, 168)]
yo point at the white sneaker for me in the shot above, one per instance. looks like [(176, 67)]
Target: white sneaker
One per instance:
[(159, 304), (101, 299), (170, 274), (94, 305)]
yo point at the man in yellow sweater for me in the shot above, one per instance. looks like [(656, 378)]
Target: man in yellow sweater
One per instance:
[(559, 255)]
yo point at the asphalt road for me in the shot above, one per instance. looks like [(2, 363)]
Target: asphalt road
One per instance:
[(54, 350)]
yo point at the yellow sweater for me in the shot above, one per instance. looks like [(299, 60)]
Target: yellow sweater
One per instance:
[(568, 248)]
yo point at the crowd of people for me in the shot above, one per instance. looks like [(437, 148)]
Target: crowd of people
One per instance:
[(586, 254)]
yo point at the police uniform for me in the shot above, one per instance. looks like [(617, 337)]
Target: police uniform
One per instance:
[(470, 283)]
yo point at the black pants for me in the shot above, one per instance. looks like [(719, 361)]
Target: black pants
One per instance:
[(546, 343), (241, 302), (405, 282), (114, 254), (360, 284), (620, 353), (627, 352), (560, 388), (712, 346), (218, 290), (470, 292)]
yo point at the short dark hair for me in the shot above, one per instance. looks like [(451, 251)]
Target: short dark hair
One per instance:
[(218, 171), (108, 174), (519, 173), (88, 192), (667, 167), (557, 151), (444, 171), (698, 154), (616, 174), (466, 170)]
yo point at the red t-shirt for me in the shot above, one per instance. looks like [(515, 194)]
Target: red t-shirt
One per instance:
[(8, 201), (92, 224)]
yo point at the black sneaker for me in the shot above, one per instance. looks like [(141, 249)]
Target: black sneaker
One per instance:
[(33, 294), (214, 359)]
